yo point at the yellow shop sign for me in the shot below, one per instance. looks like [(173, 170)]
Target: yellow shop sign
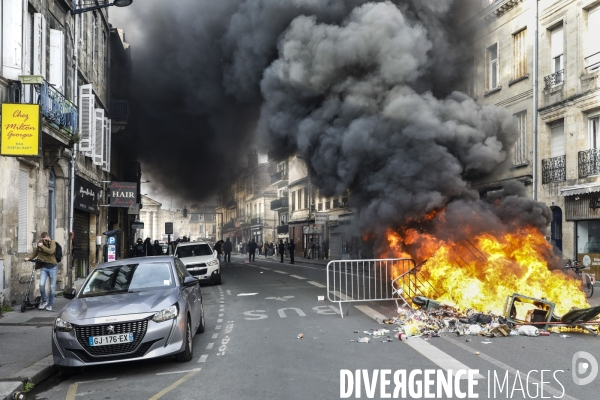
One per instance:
[(20, 129)]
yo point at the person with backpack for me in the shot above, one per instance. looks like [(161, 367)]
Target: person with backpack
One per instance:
[(46, 262), (138, 249)]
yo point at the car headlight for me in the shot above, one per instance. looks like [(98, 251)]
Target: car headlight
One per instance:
[(166, 314), (213, 262), (62, 326)]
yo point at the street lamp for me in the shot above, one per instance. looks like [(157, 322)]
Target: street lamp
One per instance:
[(89, 5)]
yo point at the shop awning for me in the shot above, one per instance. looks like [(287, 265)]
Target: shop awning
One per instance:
[(581, 189)]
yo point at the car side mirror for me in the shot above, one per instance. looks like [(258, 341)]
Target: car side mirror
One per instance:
[(69, 294), (190, 281)]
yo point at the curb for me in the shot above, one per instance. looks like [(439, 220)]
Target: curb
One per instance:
[(35, 374)]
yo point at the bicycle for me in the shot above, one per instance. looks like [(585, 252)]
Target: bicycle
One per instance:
[(587, 280)]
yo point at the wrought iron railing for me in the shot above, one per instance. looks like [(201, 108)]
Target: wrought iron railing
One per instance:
[(256, 221), (283, 229), (554, 169), (554, 79), (283, 202), (278, 177), (56, 108), (119, 111), (588, 163), (593, 61)]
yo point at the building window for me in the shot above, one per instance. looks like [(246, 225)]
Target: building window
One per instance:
[(293, 201), (23, 232), (328, 204), (520, 149), (557, 139), (492, 63), (306, 198), (557, 53), (320, 207), (593, 56), (520, 53), (300, 199), (594, 130)]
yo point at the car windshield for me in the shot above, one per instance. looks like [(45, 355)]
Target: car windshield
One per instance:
[(129, 278), (194, 251)]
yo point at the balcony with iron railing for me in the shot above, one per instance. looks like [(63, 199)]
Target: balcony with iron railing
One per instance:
[(281, 203), (119, 111), (231, 204), (280, 176), (588, 163), (593, 62), (54, 106), (554, 169), (554, 79), (283, 229), (256, 221), (340, 203)]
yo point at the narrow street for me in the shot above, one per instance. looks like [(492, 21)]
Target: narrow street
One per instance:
[(251, 350)]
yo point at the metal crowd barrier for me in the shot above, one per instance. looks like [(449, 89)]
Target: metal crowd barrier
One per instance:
[(350, 281)]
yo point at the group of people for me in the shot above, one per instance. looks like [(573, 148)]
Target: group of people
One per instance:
[(224, 247), (147, 248)]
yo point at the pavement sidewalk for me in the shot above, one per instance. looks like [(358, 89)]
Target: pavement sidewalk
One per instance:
[(26, 347), (275, 259)]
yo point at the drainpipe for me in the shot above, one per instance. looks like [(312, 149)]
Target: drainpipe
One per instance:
[(535, 101)]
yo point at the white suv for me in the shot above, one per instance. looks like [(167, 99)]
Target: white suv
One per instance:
[(200, 260)]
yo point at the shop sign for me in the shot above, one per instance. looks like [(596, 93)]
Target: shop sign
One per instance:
[(321, 218), (123, 194), (87, 196), (137, 225), (589, 260), (316, 229), (345, 217), (21, 130)]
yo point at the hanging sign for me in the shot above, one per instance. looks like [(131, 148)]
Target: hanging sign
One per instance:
[(123, 194), (321, 218), (21, 134)]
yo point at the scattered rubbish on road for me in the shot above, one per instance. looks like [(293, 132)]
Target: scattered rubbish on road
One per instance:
[(476, 353), (301, 336), (467, 340), (355, 331), (363, 340), (487, 342), (400, 336), (544, 333), (320, 298), (528, 330), (565, 336)]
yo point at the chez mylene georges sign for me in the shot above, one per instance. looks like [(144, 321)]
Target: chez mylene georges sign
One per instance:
[(21, 130), (123, 194)]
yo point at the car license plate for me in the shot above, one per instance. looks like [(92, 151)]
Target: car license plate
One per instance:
[(110, 339)]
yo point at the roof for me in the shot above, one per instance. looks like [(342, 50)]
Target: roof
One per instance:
[(135, 260), (580, 189)]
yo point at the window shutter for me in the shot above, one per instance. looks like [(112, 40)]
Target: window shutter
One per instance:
[(39, 45), (23, 232), (593, 55), (99, 136), (12, 45), (557, 140), (107, 143), (57, 59), (86, 117)]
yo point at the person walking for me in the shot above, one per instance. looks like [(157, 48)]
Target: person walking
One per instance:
[(148, 248), (252, 250), (138, 249), (157, 248), (219, 249), (266, 249), (281, 248), (227, 247), (291, 248), (44, 254)]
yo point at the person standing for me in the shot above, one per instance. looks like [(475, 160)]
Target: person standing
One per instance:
[(281, 249), (157, 248), (266, 249), (227, 247), (138, 249), (251, 250), (148, 248), (46, 260), (219, 249), (291, 248)]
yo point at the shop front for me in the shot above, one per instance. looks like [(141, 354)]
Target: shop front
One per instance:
[(86, 211)]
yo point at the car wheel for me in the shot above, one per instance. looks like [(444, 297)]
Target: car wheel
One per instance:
[(218, 281), (202, 325), (188, 351)]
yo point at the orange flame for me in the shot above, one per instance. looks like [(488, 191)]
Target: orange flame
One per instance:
[(482, 272)]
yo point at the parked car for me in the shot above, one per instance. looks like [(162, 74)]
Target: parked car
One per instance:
[(128, 310), (200, 260)]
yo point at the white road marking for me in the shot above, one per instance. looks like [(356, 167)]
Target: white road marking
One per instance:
[(438, 357), (371, 313), (336, 309), (222, 302), (281, 312), (218, 327), (284, 298), (215, 335), (298, 277), (179, 372), (203, 358), (506, 367), (247, 294), (280, 272), (317, 284), (97, 380), (210, 346), (220, 315), (339, 295), (266, 269), (219, 320)]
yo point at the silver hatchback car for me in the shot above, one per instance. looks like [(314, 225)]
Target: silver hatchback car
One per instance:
[(132, 309)]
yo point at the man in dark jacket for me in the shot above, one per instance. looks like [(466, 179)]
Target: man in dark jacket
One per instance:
[(251, 250), (148, 249), (227, 247), (157, 248), (44, 253), (281, 248), (219, 249), (138, 249), (291, 248)]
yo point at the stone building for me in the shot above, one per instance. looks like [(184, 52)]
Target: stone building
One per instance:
[(38, 67)]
